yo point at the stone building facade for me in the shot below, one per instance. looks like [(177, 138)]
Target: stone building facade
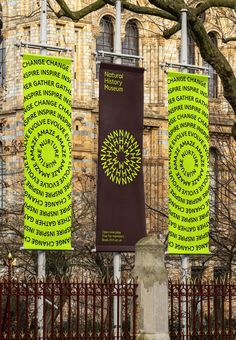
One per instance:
[(141, 35)]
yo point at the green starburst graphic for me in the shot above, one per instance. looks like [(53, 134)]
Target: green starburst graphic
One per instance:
[(121, 157)]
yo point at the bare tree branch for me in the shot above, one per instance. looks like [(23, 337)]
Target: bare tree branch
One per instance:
[(156, 210), (77, 15), (171, 31), (204, 6), (143, 10), (226, 40)]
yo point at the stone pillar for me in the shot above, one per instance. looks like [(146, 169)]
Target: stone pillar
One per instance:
[(152, 290)]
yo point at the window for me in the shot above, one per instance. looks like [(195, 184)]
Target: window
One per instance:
[(213, 81), (196, 273), (2, 54), (76, 125), (105, 40), (191, 51), (60, 35), (2, 63), (1, 24), (76, 54), (130, 44), (220, 273), (27, 34)]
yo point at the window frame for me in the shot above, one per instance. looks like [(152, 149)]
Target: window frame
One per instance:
[(105, 40), (213, 78), (130, 45)]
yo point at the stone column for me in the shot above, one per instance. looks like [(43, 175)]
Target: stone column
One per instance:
[(152, 290)]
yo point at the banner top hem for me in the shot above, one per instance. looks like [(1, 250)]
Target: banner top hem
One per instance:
[(122, 67)]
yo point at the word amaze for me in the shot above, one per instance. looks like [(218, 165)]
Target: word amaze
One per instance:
[(188, 164), (47, 158)]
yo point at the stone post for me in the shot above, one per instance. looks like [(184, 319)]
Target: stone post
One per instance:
[(152, 290)]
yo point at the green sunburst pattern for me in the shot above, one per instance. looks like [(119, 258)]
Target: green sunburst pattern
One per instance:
[(121, 157)]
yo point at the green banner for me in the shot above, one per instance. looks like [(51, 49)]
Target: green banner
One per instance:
[(47, 159), (188, 164)]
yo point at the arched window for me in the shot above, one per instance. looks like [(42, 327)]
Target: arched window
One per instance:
[(104, 41), (213, 80), (191, 51), (76, 124), (214, 178), (213, 37), (2, 53), (130, 44)]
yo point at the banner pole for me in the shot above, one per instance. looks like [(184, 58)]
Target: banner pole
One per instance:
[(117, 35), (184, 258), (184, 39), (117, 256), (42, 254)]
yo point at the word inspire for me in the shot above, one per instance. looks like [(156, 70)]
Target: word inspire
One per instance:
[(47, 159), (188, 164)]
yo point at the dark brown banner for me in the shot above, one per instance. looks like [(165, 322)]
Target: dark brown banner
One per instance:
[(120, 204)]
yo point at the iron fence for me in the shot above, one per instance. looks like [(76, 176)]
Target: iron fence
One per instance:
[(202, 310), (67, 309), (72, 310)]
